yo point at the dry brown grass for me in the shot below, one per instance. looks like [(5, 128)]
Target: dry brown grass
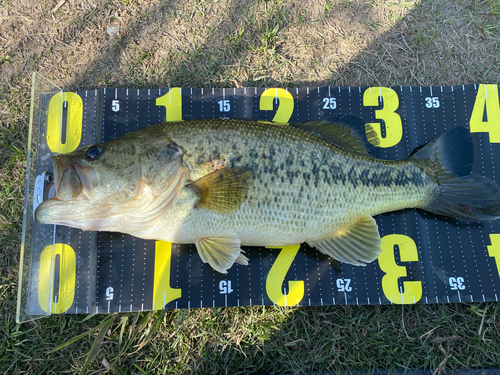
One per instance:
[(206, 43)]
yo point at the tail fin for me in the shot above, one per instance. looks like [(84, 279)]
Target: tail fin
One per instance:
[(447, 160)]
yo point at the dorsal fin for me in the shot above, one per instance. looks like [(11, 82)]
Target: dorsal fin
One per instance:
[(346, 131)]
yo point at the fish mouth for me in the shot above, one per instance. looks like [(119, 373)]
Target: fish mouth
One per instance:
[(67, 182), (72, 181)]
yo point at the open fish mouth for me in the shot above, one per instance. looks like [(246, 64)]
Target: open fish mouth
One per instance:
[(72, 182), (68, 184)]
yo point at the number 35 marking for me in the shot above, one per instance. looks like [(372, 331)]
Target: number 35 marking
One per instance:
[(456, 283), (431, 102)]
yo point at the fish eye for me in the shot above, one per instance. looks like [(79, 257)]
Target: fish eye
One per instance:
[(93, 153)]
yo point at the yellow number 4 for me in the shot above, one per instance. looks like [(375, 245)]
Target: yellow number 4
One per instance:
[(486, 104), (494, 249)]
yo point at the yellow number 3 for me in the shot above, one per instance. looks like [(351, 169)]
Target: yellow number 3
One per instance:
[(393, 124), (390, 282)]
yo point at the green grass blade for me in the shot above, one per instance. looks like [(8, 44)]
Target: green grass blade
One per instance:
[(152, 330), (122, 331), (76, 338), (104, 326)]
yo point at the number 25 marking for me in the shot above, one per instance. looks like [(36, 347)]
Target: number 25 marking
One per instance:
[(344, 285), (330, 103)]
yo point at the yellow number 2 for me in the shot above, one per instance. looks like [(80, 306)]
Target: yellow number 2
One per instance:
[(390, 281), (276, 278), (393, 124), (286, 104)]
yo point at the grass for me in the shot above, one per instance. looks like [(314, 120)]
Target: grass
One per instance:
[(211, 43)]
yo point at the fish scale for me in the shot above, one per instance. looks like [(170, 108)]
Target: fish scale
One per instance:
[(338, 187)]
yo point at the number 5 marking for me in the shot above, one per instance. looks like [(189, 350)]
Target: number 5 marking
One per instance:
[(387, 262), (285, 107), (276, 278), (393, 124)]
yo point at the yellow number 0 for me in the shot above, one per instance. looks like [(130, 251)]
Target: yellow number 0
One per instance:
[(276, 278), (286, 104), (393, 124), (74, 106), (48, 301), (408, 253)]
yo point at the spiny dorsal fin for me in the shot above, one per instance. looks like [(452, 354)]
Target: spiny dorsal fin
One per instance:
[(356, 244), (346, 131), (222, 190)]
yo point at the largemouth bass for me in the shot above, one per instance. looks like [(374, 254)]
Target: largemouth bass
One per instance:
[(221, 184)]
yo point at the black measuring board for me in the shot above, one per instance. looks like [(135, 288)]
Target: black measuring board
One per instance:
[(425, 258)]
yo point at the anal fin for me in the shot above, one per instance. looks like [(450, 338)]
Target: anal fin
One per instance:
[(221, 252), (357, 244)]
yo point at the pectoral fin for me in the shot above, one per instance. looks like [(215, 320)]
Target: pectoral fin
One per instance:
[(223, 190), (356, 244), (221, 252)]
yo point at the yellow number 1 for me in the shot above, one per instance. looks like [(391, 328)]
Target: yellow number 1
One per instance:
[(172, 101), (163, 293)]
